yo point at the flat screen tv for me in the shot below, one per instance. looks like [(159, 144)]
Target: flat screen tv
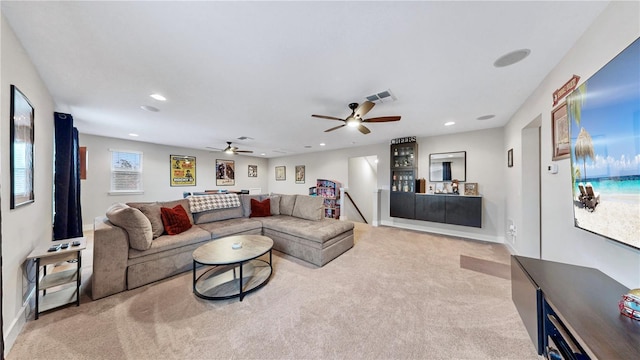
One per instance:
[(604, 117)]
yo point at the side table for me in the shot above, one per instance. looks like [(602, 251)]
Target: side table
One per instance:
[(62, 295)]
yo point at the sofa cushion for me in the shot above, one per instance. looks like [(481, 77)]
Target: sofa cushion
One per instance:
[(308, 207), (319, 230), (275, 204), (152, 212), (233, 227), (286, 204), (175, 220), (134, 223), (183, 202), (217, 215), (163, 245), (260, 208)]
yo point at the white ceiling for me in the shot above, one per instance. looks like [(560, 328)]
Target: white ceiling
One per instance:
[(260, 69)]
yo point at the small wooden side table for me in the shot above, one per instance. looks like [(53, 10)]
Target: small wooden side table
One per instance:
[(62, 295)]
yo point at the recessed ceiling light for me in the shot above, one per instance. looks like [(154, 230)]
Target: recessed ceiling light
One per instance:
[(512, 58), (263, 154), (486, 117), (158, 97), (149, 108), (449, 123), (134, 135), (322, 144)]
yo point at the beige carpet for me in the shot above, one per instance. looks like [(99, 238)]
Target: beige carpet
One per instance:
[(396, 295)]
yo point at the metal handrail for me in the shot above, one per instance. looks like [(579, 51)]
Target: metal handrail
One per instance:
[(356, 206)]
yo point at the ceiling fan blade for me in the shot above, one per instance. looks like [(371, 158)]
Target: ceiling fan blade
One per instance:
[(327, 117), (243, 151), (382, 119), (335, 128), (363, 109), (363, 129), (212, 148)]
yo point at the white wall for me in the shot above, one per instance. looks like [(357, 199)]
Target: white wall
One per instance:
[(363, 176), (156, 170), (28, 225), (613, 30)]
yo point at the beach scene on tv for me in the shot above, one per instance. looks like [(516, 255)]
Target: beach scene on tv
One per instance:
[(604, 116)]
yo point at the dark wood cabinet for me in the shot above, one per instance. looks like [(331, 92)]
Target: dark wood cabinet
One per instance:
[(449, 209), (430, 208), (402, 205), (404, 170), (463, 210)]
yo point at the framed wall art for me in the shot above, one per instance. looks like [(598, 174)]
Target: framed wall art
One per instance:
[(510, 158), (21, 152), (560, 133), (253, 171), (183, 170), (281, 173), (225, 173), (299, 174)]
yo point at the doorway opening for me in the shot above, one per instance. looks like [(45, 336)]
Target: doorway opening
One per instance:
[(362, 178)]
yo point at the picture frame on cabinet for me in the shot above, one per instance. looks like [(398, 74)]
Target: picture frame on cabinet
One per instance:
[(471, 188)]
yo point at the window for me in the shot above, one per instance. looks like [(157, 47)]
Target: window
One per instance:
[(126, 172)]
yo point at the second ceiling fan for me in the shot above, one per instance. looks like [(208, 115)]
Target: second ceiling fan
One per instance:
[(356, 120)]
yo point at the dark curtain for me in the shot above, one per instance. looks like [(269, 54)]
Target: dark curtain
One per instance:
[(446, 171), (67, 220)]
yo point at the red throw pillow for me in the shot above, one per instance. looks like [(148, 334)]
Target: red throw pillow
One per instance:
[(260, 208), (175, 220)]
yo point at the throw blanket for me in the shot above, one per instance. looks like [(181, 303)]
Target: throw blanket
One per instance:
[(201, 203)]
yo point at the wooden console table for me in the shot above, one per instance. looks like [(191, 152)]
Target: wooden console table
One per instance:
[(62, 292), (575, 305)]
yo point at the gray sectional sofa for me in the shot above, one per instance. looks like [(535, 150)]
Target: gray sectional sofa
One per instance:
[(131, 248)]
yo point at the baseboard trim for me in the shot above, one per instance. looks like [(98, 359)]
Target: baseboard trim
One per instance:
[(462, 234), (18, 323)]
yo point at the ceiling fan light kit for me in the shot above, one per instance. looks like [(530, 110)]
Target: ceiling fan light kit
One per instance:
[(356, 119)]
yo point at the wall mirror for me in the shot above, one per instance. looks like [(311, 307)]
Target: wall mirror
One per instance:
[(448, 166)]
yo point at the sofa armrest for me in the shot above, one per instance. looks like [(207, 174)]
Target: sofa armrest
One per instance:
[(110, 256)]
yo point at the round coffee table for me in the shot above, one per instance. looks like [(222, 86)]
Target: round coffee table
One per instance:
[(233, 266)]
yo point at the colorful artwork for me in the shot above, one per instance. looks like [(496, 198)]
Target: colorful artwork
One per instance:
[(604, 116), (183, 170), (225, 173)]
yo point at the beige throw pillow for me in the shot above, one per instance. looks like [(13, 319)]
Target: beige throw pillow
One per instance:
[(152, 212), (134, 223), (308, 207), (275, 204), (286, 204)]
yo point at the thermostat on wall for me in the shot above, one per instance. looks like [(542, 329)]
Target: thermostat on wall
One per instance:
[(552, 169)]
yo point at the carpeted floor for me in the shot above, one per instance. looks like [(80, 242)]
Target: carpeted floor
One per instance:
[(396, 295)]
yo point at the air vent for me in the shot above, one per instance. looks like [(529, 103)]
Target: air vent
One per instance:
[(382, 97), (279, 151), (245, 138)]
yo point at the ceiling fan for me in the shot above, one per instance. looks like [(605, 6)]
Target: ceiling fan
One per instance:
[(232, 149), (356, 120)]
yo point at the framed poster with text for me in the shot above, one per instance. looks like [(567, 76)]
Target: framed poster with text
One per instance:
[(183, 170), (225, 172)]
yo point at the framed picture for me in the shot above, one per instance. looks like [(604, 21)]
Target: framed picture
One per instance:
[(225, 172), (253, 170), (82, 155), (299, 174), (183, 170), (510, 158), (281, 173), (560, 133), (21, 152), (471, 188)]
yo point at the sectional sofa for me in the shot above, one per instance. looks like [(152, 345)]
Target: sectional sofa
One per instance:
[(132, 247)]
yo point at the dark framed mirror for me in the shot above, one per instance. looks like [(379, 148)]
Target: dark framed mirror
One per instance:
[(448, 166)]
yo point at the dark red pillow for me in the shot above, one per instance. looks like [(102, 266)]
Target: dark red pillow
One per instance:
[(175, 220), (260, 208)]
